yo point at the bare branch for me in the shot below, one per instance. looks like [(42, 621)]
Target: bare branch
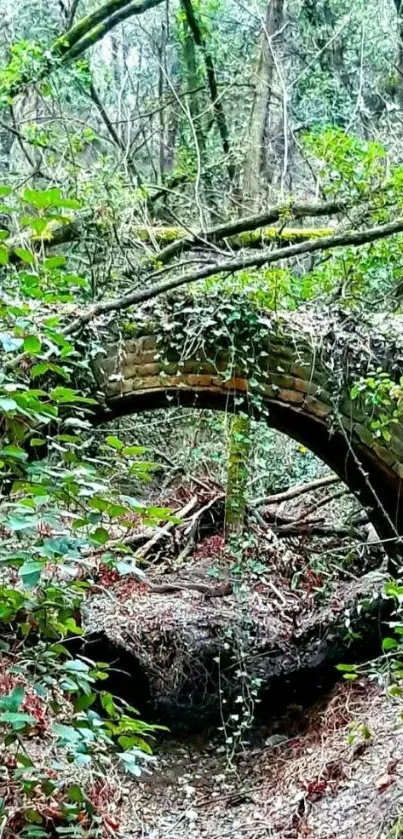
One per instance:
[(295, 491)]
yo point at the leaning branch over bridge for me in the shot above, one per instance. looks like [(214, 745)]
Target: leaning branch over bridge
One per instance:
[(353, 238), (296, 210)]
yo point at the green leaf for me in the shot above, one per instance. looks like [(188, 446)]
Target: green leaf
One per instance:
[(66, 733), (30, 572), (346, 668), (14, 700), (41, 199), (25, 255), (134, 450), (75, 793), (389, 644), (100, 536), (115, 443), (32, 345), (4, 256), (16, 720), (5, 190), (108, 703), (67, 204), (54, 262), (15, 452), (76, 666), (7, 404)]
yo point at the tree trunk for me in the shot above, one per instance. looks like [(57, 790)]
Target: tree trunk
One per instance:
[(239, 449), (258, 165), (399, 57)]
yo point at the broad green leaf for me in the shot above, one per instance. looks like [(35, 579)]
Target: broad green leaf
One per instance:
[(16, 720), (41, 199), (7, 404), (25, 255), (67, 204), (15, 452), (30, 572), (115, 443), (100, 536), (14, 700), (134, 450), (4, 256), (54, 262), (389, 644), (66, 733), (75, 793), (32, 345)]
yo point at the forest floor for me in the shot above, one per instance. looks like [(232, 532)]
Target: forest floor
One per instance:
[(323, 757), (340, 778), (331, 768)]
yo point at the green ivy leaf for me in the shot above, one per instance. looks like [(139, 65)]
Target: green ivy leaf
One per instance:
[(32, 345), (115, 443), (100, 536)]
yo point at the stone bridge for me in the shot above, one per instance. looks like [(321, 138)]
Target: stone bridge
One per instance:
[(300, 382)]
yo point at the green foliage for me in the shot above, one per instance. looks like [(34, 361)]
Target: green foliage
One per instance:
[(347, 166), (57, 507), (383, 400), (29, 63)]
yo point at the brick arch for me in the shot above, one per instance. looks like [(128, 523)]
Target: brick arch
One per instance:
[(295, 401)]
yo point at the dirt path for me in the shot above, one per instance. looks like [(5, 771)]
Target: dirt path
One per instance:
[(341, 778)]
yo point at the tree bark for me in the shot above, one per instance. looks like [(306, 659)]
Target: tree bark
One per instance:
[(257, 164)]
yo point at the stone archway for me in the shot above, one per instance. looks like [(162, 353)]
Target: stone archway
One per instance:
[(298, 380)]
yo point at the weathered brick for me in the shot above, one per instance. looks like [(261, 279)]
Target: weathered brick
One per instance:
[(148, 382), (396, 446), (145, 356), (148, 342), (281, 380), (398, 468), (145, 370), (120, 387), (350, 408), (384, 454), (364, 434), (231, 384), (197, 381), (316, 407), (293, 396), (305, 386)]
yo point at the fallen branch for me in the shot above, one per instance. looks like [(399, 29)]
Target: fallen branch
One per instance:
[(322, 503), (166, 530), (221, 590), (246, 225), (294, 492), (353, 238)]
